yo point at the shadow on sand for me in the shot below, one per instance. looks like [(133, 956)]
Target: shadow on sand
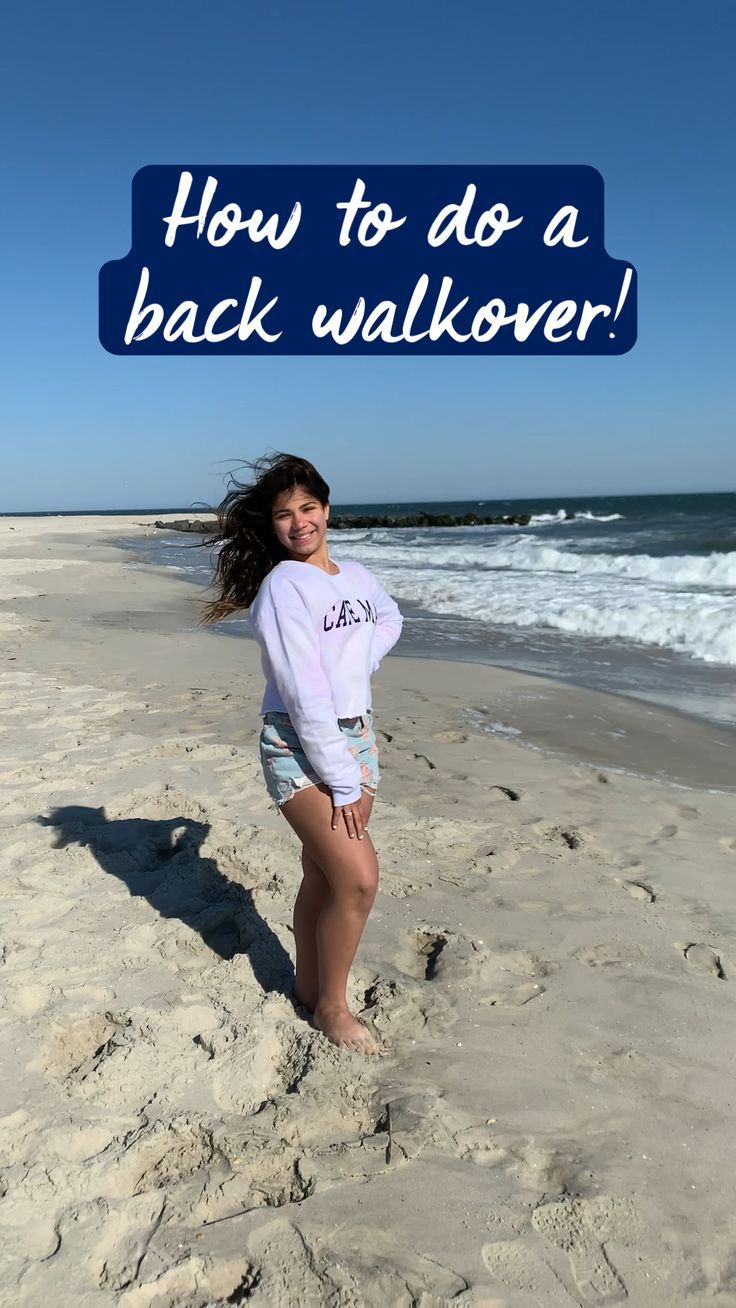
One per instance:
[(160, 861)]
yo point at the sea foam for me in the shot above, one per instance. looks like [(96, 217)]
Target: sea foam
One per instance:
[(685, 603)]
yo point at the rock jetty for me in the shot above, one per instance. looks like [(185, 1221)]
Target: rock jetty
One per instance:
[(188, 524), (343, 520)]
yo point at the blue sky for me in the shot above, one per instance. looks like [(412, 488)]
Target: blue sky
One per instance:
[(642, 90)]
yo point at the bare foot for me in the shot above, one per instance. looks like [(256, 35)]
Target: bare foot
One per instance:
[(345, 1031)]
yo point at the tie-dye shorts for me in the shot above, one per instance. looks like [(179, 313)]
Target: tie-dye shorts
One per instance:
[(287, 769)]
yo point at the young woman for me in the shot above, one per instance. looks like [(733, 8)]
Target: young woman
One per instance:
[(323, 628)]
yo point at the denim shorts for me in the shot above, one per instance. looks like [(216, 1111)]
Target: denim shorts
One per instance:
[(286, 767)]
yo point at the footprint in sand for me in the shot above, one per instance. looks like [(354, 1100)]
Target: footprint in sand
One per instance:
[(627, 861), (640, 890), (583, 1229), (599, 955), (430, 945), (516, 1264), (247, 1069), (704, 959), (569, 836), (124, 1241), (435, 952), (516, 977), (287, 1270), (509, 792), (572, 839)]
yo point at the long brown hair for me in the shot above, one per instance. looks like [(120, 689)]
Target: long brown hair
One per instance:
[(250, 547)]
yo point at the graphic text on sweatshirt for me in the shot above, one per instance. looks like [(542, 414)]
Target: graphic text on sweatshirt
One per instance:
[(321, 637)]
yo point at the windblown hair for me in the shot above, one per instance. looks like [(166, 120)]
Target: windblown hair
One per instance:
[(250, 547)]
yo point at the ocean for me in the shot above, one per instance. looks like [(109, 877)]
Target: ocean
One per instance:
[(635, 595)]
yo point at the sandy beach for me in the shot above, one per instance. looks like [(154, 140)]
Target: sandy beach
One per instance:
[(551, 964)]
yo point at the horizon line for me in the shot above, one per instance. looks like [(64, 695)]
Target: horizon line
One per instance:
[(337, 504)]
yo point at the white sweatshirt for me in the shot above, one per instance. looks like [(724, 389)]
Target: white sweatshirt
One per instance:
[(321, 637)]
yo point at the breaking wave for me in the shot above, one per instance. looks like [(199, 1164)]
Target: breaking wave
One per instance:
[(685, 603)]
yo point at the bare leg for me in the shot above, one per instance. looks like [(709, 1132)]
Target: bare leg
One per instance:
[(310, 901), (350, 869)]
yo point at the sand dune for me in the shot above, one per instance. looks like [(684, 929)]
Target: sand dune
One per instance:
[(549, 961)]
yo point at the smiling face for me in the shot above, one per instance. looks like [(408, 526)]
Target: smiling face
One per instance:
[(300, 523)]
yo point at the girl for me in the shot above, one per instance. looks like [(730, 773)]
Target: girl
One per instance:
[(323, 628)]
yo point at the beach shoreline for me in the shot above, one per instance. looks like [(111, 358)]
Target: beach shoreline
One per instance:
[(451, 613), (548, 962), (576, 720)]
